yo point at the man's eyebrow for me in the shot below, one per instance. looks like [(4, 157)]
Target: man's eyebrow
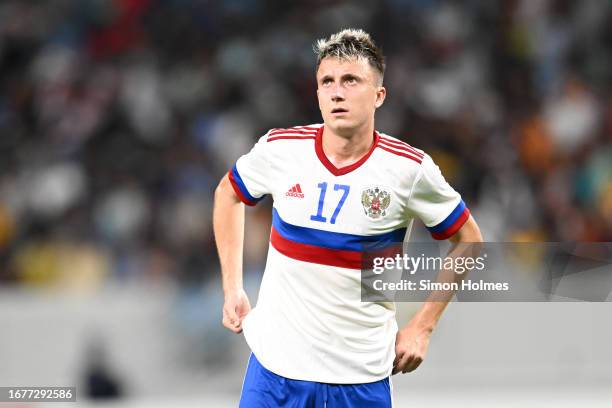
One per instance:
[(351, 76), (343, 77)]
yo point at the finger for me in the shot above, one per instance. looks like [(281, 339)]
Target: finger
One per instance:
[(398, 357), (230, 313), (396, 370), (233, 319), (398, 363), (416, 362), (405, 361), (238, 326), (227, 323), (227, 320), (234, 326), (411, 365)]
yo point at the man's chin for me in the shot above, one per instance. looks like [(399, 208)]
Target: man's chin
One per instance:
[(341, 126)]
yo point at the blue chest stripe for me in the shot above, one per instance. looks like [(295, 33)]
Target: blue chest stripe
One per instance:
[(335, 240)]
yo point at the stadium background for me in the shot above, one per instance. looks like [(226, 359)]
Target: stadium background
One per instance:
[(117, 119)]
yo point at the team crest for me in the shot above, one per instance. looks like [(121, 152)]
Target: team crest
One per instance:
[(375, 202)]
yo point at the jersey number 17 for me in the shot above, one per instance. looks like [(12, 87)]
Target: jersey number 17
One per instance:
[(337, 187)]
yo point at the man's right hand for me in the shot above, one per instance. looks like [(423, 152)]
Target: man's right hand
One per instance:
[(235, 308)]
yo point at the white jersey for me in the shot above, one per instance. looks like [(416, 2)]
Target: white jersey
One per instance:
[(309, 322)]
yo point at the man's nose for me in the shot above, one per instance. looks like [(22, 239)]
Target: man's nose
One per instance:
[(337, 97), (337, 94)]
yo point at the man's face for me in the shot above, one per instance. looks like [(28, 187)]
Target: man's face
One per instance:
[(348, 92)]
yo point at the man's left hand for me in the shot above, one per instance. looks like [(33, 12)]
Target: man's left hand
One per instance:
[(411, 345)]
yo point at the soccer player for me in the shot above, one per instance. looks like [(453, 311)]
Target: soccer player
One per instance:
[(335, 186)]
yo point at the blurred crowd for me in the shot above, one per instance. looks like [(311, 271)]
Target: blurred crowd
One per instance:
[(118, 118)]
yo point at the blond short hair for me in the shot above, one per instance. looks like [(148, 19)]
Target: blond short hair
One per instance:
[(348, 44)]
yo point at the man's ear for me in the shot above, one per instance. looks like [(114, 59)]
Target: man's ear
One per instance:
[(381, 93)]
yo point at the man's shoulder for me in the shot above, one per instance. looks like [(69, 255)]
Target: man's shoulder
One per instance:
[(295, 134), (392, 147)]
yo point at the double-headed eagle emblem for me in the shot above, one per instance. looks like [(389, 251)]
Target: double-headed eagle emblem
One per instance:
[(375, 202)]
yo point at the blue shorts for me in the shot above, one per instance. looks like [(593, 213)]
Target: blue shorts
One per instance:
[(264, 389)]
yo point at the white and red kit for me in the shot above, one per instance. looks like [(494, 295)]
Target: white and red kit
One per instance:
[(309, 322)]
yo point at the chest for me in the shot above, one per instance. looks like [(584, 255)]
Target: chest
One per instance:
[(368, 200)]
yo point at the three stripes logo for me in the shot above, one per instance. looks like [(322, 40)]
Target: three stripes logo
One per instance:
[(295, 191)]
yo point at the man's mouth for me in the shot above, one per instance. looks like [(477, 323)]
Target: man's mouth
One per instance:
[(339, 110)]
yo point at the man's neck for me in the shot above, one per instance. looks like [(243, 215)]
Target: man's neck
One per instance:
[(343, 150)]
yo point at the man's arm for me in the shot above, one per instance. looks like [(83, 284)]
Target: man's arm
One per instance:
[(412, 341), (228, 223)]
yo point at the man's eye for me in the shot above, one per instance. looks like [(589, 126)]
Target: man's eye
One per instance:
[(326, 81), (351, 81)]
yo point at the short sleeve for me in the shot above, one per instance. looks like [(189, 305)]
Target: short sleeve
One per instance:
[(436, 203), (250, 176)]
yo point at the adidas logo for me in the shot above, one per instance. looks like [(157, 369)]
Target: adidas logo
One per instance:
[(295, 191)]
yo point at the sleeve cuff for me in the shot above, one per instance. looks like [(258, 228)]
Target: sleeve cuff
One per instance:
[(452, 223), (240, 188)]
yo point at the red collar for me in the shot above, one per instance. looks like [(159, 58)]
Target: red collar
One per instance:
[(330, 166)]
